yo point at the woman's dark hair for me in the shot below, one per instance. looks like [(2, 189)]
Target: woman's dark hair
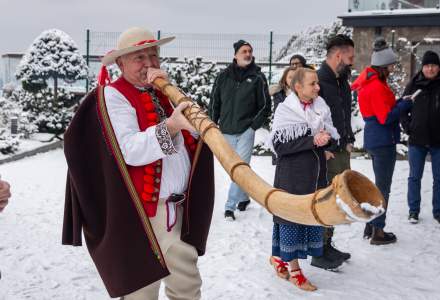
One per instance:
[(382, 72), (300, 58)]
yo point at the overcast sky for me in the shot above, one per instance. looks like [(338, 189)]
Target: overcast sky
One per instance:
[(23, 20)]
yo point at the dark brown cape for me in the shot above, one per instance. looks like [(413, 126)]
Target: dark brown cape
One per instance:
[(100, 201)]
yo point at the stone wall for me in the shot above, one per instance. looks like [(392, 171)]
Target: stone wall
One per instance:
[(363, 38)]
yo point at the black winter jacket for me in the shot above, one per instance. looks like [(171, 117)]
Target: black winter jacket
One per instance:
[(422, 122), (278, 98), (337, 94), (240, 99), (301, 168)]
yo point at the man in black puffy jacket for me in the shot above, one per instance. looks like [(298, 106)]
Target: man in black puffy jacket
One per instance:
[(240, 104), (422, 124)]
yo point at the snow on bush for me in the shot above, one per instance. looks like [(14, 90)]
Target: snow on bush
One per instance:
[(194, 77), (52, 55), (311, 43), (8, 143), (10, 108), (44, 112)]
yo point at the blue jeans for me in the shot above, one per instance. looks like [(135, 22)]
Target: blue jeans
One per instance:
[(243, 144), (416, 157), (384, 160)]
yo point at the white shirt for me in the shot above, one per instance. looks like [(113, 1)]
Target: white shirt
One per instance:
[(141, 148)]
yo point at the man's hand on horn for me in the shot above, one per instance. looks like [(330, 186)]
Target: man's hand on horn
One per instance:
[(153, 73), (177, 120)]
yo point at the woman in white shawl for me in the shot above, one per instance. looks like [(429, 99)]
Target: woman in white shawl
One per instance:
[(302, 130)]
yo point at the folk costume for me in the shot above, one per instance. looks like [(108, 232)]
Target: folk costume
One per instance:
[(143, 200), (301, 169)]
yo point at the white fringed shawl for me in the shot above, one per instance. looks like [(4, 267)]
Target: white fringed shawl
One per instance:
[(292, 120)]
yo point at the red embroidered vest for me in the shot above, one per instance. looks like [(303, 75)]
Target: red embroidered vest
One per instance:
[(147, 179)]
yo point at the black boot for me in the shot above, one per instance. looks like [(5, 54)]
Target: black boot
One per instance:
[(331, 252), (334, 254), (242, 205), (368, 231), (229, 215), (325, 263), (381, 237)]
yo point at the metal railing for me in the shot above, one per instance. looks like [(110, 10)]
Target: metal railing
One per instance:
[(216, 47)]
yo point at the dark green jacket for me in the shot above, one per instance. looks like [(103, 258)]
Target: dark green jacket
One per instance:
[(240, 99)]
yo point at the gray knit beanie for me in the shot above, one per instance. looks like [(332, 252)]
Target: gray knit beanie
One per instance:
[(382, 55)]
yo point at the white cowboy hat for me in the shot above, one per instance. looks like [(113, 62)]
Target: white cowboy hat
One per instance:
[(132, 40)]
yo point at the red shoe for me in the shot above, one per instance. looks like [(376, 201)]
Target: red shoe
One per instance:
[(298, 279), (280, 267)]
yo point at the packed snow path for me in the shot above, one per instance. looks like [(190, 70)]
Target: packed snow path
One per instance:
[(35, 265)]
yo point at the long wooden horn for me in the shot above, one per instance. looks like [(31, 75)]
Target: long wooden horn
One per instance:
[(351, 196)]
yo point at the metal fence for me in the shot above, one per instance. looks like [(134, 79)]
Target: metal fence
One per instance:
[(211, 47)]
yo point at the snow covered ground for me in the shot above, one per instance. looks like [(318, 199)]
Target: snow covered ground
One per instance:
[(34, 265)]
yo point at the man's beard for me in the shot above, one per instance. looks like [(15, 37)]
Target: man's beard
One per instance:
[(343, 69), (247, 62)]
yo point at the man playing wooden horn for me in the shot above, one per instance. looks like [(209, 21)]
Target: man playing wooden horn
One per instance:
[(139, 184)]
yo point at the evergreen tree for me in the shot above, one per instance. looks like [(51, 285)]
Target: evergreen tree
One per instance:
[(53, 54)]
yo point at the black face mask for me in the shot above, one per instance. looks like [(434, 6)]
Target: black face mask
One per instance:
[(344, 70)]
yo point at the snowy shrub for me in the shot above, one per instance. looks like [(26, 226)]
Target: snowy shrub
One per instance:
[(44, 112), (52, 55), (8, 109), (194, 77), (11, 108), (8, 143), (8, 89), (260, 142), (260, 149)]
